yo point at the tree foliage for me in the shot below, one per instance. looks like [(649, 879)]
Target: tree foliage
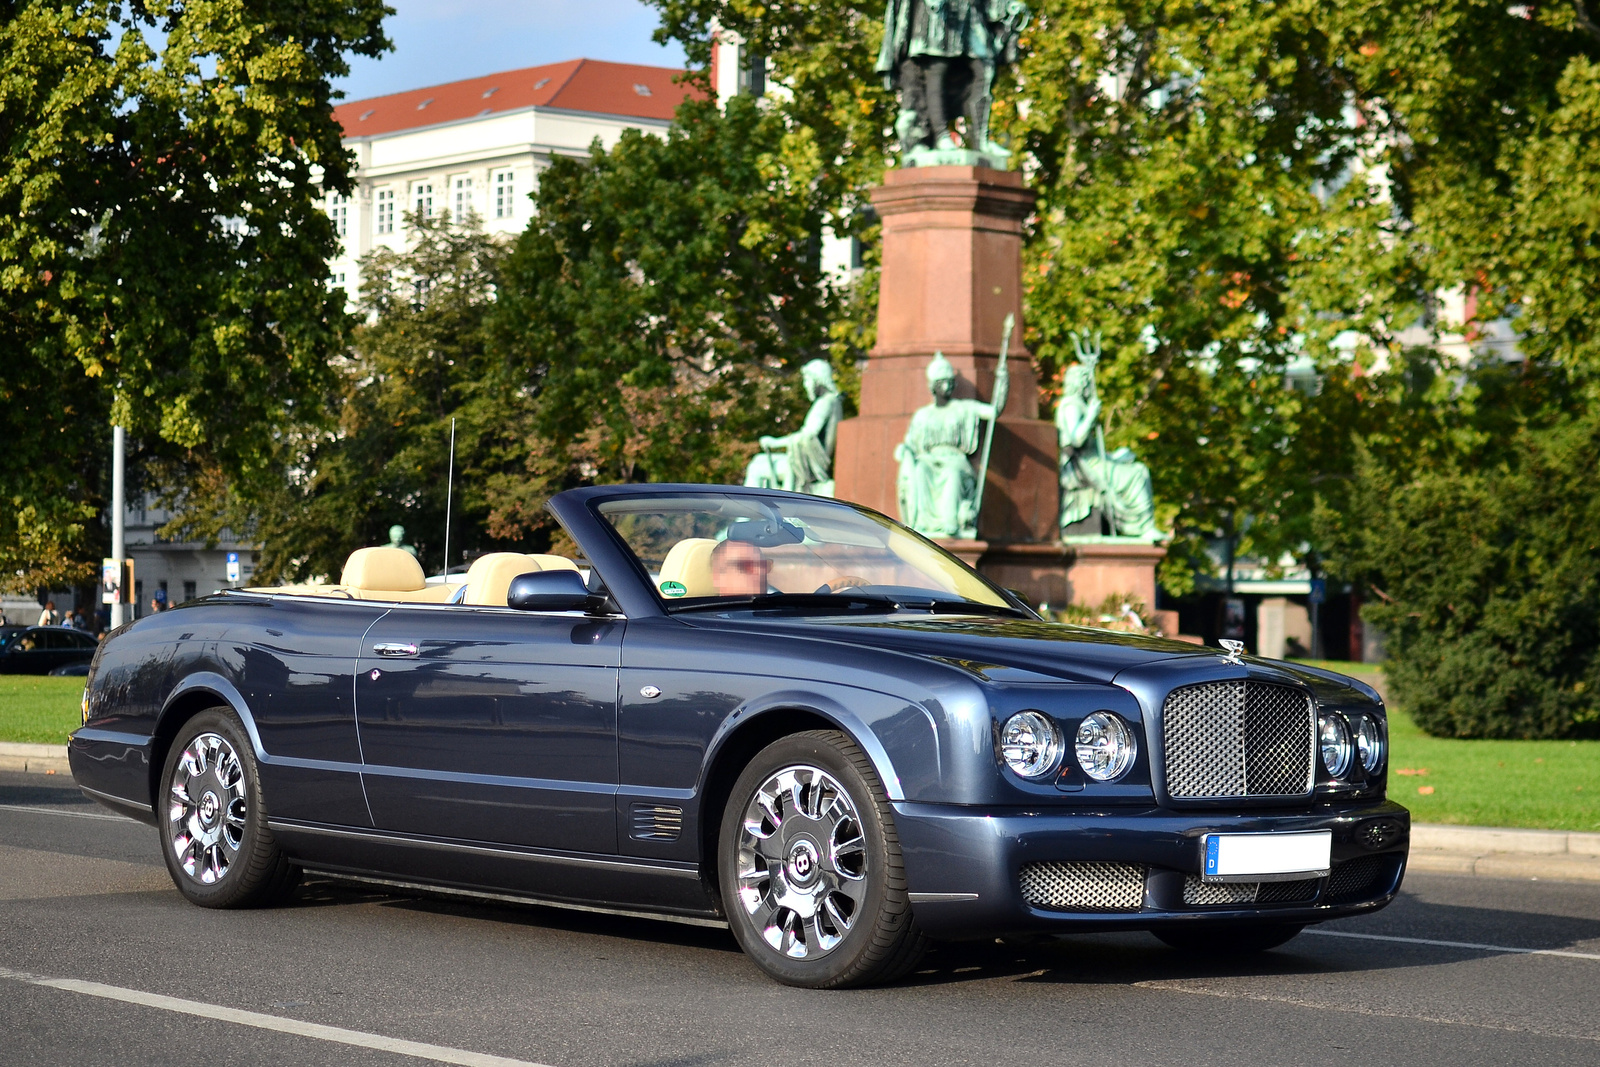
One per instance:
[(162, 256), (1483, 564), (658, 306)]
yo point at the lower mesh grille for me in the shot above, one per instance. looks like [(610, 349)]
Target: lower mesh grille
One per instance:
[(1360, 878), (1083, 886), (1200, 893)]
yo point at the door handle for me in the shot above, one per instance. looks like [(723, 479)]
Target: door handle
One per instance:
[(394, 648)]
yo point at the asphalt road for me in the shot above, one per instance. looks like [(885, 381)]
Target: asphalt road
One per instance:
[(101, 962)]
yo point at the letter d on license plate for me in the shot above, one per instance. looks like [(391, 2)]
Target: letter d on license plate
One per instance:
[(1267, 857)]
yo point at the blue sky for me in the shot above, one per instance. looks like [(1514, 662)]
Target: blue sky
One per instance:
[(439, 41)]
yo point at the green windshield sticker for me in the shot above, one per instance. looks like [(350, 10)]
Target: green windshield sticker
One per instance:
[(674, 589)]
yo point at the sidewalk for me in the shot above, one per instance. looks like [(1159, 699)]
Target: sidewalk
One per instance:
[(1485, 851)]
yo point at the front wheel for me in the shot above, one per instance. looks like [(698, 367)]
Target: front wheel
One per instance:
[(810, 867), (214, 833), (1236, 939)]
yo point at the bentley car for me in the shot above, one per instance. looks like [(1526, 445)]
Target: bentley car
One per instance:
[(785, 714)]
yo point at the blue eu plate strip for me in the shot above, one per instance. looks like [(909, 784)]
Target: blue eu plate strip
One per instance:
[(1212, 842)]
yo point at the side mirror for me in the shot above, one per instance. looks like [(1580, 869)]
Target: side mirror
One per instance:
[(548, 591)]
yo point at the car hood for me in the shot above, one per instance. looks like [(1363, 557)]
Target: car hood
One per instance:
[(991, 648)]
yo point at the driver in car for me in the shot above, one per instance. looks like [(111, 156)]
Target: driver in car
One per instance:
[(739, 569)]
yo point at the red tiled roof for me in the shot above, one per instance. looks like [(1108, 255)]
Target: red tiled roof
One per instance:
[(592, 85)]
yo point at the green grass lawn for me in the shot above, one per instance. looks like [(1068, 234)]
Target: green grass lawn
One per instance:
[(1546, 785), (1552, 785), (38, 709)]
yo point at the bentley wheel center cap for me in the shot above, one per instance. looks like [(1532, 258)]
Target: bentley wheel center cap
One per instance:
[(209, 805), (802, 862)]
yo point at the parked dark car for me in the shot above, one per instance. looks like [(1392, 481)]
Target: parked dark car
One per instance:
[(43, 649), (784, 713)]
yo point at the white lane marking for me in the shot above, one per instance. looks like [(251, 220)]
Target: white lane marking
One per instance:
[(279, 1024), (1176, 986), (68, 814), (1460, 944)]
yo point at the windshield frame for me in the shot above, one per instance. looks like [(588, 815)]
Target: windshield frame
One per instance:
[(941, 603)]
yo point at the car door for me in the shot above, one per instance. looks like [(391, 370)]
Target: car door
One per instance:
[(490, 724)]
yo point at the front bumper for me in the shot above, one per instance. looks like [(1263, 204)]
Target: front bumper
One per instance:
[(964, 868)]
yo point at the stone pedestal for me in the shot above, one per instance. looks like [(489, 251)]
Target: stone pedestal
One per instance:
[(952, 270), (1099, 569)]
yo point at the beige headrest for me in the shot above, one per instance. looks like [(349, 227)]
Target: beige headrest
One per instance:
[(392, 569), (689, 562), (554, 563), (489, 577)]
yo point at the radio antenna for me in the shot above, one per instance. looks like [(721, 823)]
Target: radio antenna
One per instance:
[(449, 493)]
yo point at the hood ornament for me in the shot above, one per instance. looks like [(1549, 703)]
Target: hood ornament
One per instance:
[(1232, 651)]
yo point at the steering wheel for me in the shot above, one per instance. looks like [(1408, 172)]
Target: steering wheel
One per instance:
[(847, 581)]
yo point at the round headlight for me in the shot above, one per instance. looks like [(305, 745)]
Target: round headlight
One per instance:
[(1031, 744), (1334, 738), (1369, 743), (1105, 746)]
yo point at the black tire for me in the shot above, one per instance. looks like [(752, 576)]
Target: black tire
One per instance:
[(881, 941), (1233, 939), (217, 846)]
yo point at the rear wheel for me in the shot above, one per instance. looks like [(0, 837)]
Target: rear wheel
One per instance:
[(810, 867), (1234, 939), (214, 833)]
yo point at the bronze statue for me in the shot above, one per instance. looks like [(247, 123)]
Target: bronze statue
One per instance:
[(940, 492), (942, 56), (806, 463)]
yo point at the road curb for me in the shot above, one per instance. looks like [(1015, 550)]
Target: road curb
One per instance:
[(38, 759), (1501, 852)]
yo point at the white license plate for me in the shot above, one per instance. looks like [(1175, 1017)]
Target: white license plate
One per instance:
[(1266, 857)]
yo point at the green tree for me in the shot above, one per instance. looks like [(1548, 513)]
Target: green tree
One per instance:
[(417, 362), (657, 308), (162, 254)]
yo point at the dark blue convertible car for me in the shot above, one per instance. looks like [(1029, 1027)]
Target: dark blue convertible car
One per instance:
[(784, 713)]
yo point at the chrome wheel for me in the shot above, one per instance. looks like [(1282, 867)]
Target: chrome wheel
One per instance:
[(207, 808), (802, 862)]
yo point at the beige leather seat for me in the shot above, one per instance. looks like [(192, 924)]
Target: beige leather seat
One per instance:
[(489, 577), (689, 563), (390, 574)]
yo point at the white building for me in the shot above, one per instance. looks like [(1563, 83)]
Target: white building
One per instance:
[(480, 144)]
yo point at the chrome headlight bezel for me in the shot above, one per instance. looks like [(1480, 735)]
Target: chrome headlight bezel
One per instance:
[(1105, 746), (1335, 744), (1372, 743), (1031, 745)]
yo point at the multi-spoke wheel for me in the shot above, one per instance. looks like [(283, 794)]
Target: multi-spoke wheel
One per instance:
[(213, 831), (810, 867)]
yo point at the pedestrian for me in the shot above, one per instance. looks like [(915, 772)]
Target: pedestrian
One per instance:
[(80, 621), (3, 621), (158, 603), (48, 616)]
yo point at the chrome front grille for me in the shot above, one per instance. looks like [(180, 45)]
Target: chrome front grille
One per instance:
[(1083, 886), (1238, 739)]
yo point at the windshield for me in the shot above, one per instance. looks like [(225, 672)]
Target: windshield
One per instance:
[(708, 548)]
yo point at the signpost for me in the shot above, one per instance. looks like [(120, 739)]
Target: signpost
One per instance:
[(233, 568)]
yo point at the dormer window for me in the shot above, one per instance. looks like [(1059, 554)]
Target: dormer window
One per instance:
[(490, 92), (367, 114), (425, 103), (642, 90), (541, 83)]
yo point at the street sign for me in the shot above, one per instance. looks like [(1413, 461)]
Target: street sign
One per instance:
[(233, 568), (1319, 591)]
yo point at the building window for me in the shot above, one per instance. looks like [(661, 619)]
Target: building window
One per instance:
[(461, 206), (385, 210), (504, 190), (339, 212), (188, 591), (422, 199)]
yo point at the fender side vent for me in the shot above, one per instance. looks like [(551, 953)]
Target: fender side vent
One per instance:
[(656, 822)]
